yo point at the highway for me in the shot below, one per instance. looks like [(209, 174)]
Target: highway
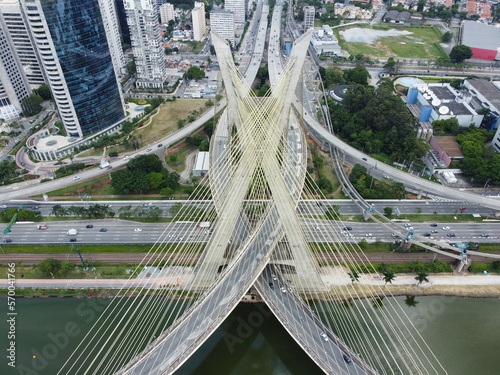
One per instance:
[(324, 348), (345, 206), (178, 342)]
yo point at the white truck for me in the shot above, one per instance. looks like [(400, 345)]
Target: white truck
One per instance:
[(204, 224), (72, 232)]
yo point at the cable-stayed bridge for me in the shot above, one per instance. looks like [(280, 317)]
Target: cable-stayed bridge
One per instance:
[(257, 237)]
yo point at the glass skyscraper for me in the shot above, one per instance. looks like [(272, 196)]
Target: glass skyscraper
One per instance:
[(73, 46)]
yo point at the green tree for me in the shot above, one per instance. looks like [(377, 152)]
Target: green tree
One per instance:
[(195, 72), (447, 37), (166, 191), (354, 275), (44, 91), (31, 105), (422, 277), (145, 163), (359, 75), (388, 211), (155, 179), (66, 267), (49, 267), (388, 276), (460, 53)]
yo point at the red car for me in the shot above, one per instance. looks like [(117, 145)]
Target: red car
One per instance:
[(463, 208)]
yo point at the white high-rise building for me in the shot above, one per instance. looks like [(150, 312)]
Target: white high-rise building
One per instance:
[(14, 86), (222, 22), (238, 7), (142, 19), (110, 21), (199, 23), (309, 12), (167, 12), (13, 22)]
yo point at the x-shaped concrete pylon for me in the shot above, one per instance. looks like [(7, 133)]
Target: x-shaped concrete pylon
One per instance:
[(260, 125)]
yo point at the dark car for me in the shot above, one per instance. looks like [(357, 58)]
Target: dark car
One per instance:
[(7, 240), (347, 228), (161, 144), (451, 234), (23, 163), (434, 225), (347, 359), (89, 226), (72, 240), (103, 230), (365, 159), (271, 286), (427, 234)]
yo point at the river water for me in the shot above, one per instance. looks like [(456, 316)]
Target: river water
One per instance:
[(464, 334)]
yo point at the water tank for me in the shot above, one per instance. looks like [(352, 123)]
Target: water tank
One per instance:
[(443, 110), (436, 102)]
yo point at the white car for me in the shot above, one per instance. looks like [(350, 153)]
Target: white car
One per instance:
[(446, 228), (3, 206), (273, 276), (283, 290), (137, 230), (368, 235), (324, 336), (149, 150), (76, 178)]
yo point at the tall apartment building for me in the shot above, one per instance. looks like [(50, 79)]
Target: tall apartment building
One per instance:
[(111, 25), (222, 22), (13, 22), (70, 38), (309, 13), (14, 86), (167, 12), (199, 23), (142, 19), (238, 7)]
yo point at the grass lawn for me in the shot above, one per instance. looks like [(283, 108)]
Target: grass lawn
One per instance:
[(164, 122), (158, 126), (420, 44), (98, 186), (95, 249)]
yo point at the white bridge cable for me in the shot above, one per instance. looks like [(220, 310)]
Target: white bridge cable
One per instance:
[(245, 155)]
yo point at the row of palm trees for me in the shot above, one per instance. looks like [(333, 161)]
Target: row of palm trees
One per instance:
[(388, 275)]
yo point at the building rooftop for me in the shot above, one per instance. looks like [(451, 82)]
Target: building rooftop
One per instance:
[(480, 35), (450, 145), (487, 89)]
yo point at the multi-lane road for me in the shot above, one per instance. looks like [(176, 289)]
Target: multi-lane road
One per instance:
[(129, 232)]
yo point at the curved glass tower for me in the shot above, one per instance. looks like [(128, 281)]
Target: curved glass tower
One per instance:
[(71, 40)]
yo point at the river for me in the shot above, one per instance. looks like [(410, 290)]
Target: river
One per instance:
[(464, 334)]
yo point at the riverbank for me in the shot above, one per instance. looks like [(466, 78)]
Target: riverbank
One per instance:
[(475, 286)]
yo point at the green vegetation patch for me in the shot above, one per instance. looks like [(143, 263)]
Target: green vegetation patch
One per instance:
[(99, 249), (422, 43)]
